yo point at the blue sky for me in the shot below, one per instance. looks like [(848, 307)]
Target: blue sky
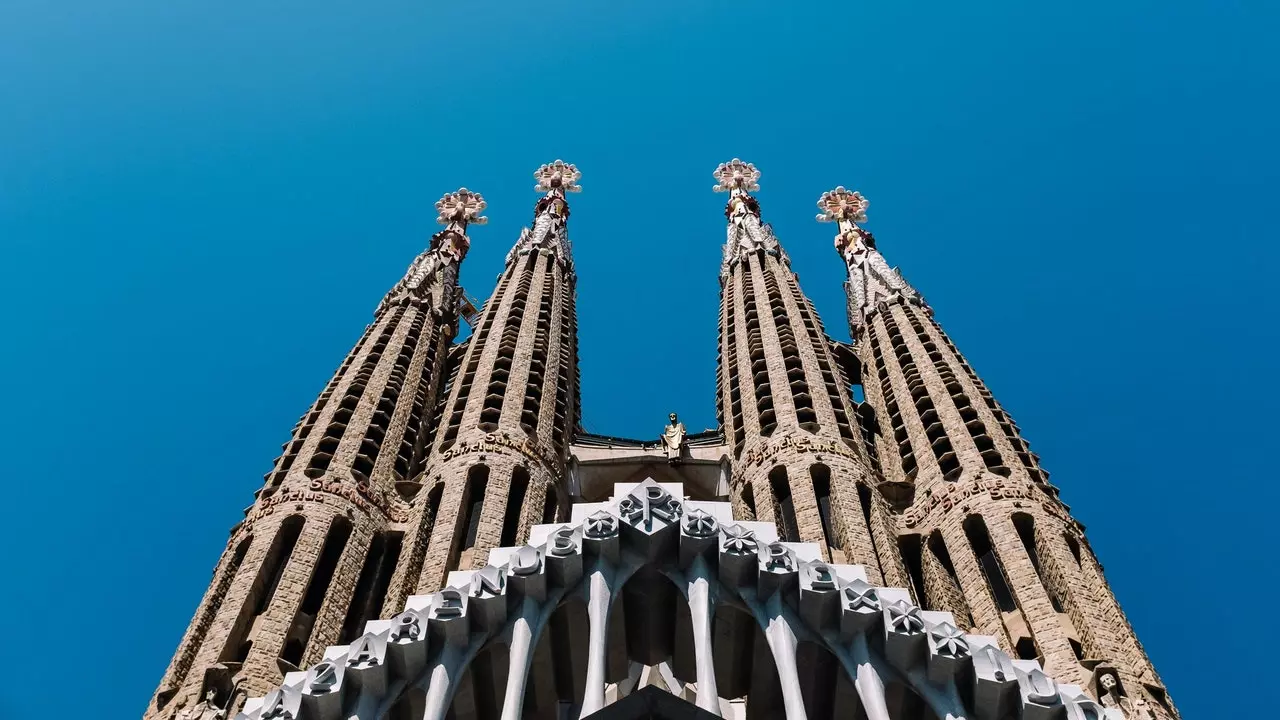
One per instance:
[(201, 204)]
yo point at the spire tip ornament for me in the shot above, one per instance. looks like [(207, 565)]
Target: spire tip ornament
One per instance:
[(842, 205), (736, 175), (558, 175), (461, 206)]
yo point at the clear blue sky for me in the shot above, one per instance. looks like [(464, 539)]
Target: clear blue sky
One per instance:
[(201, 203)]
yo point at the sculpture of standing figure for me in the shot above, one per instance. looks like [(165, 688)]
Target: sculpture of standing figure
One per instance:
[(204, 710), (673, 439)]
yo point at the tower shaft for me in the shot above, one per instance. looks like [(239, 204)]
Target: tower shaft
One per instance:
[(497, 465), (309, 565), (784, 404), (982, 531)]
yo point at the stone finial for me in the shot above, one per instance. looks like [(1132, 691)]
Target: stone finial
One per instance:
[(557, 175), (842, 205), (736, 175), (461, 206)]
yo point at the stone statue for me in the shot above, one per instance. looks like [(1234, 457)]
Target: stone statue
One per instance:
[(206, 709), (1109, 692), (672, 439)]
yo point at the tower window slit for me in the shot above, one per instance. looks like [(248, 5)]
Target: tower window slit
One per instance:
[(473, 503), (515, 504), (910, 548), (1025, 525), (263, 588), (550, 505), (975, 528), (749, 500), (821, 476), (784, 506), (335, 542)]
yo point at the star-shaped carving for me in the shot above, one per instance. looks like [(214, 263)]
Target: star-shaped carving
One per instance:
[(462, 206), (558, 174), (700, 523), (841, 204), (740, 541), (904, 618), (949, 640), (601, 525), (861, 597), (736, 174)]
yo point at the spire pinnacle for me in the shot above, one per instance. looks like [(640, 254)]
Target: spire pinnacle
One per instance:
[(550, 214), (842, 206), (558, 177), (746, 234), (736, 175), (461, 208), (871, 280)]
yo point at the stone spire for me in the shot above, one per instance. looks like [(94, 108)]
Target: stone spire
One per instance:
[(497, 460), (871, 280), (784, 399), (311, 561), (982, 530)]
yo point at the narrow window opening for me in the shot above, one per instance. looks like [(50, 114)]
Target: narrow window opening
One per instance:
[(821, 475), (1026, 649), (910, 548), (334, 543), (238, 646), (784, 507), (515, 504), (1026, 527), (1076, 648), (749, 499), (1074, 545), (477, 481), (976, 530), (357, 613), (549, 506)]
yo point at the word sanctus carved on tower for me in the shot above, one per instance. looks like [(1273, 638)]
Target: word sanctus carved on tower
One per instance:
[(442, 539)]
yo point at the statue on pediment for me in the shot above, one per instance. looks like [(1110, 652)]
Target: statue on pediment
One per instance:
[(673, 439)]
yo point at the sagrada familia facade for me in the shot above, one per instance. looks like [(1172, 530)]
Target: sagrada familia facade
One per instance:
[(441, 539)]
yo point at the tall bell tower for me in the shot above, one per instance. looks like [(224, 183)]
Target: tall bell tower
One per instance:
[(497, 464), (309, 564), (984, 534), (784, 400)]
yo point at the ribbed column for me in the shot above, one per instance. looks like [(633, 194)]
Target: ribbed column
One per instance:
[(497, 464), (798, 457), (1000, 545), (294, 574)]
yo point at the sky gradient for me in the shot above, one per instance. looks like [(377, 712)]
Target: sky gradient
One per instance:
[(202, 203)]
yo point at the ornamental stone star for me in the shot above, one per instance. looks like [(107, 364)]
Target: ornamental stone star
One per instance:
[(904, 618), (841, 204), (736, 174), (601, 525), (949, 641), (700, 523), (740, 541)]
